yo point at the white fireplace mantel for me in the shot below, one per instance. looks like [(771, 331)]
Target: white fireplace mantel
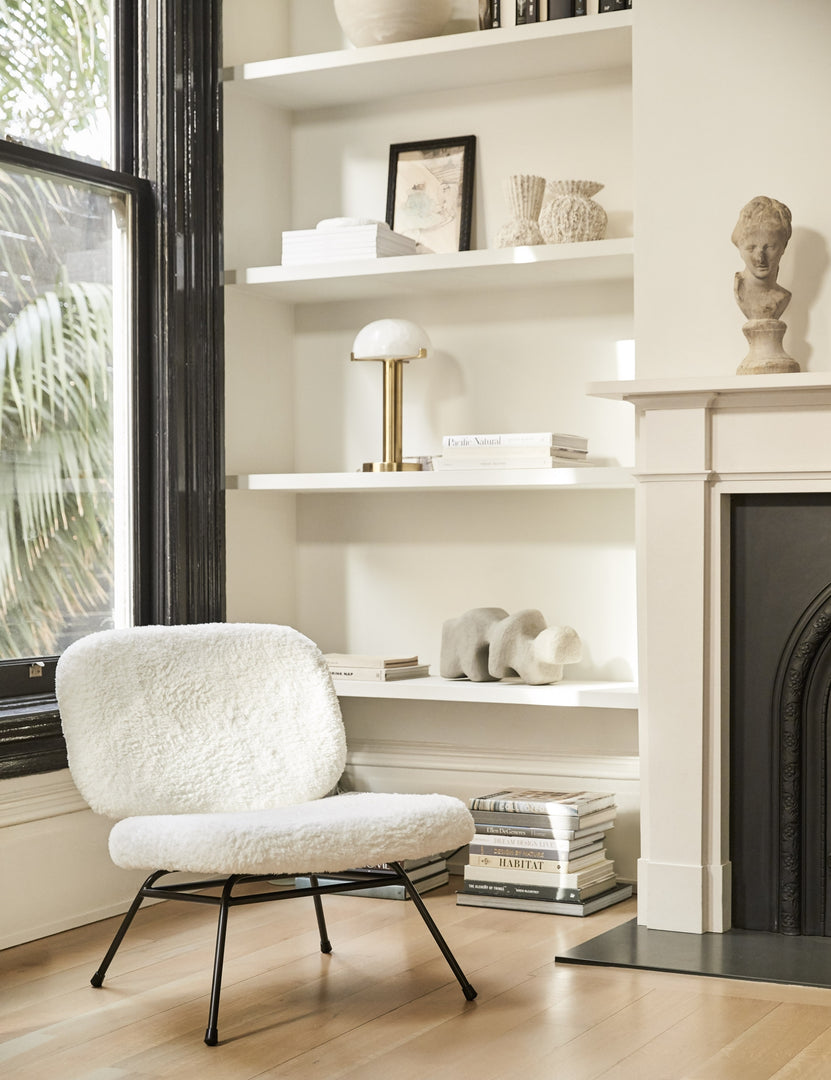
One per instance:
[(699, 441)]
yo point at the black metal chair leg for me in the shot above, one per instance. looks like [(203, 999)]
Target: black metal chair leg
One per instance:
[(467, 989), (98, 978), (211, 1033), (325, 943)]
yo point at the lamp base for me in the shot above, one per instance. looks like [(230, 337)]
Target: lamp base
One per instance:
[(391, 466)]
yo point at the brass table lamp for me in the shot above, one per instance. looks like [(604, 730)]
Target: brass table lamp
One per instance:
[(394, 342)]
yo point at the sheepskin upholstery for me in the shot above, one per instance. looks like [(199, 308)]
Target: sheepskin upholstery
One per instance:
[(344, 831), (199, 719), (215, 745)]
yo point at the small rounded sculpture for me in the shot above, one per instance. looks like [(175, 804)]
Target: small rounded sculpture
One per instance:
[(377, 22), (761, 235), (487, 644), (573, 215), (524, 194)]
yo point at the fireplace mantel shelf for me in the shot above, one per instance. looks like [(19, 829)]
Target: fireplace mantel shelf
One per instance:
[(730, 388)]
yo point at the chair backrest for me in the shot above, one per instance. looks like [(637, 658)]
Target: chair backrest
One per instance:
[(199, 719)]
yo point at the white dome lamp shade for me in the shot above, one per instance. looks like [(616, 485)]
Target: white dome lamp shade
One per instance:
[(394, 342)]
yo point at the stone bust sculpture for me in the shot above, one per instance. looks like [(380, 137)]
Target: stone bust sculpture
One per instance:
[(761, 235)]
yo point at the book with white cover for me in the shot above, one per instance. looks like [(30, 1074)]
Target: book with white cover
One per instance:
[(367, 660), (518, 438), (331, 243)]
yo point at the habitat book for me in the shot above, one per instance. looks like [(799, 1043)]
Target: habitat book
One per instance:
[(531, 801), (568, 828), (547, 864), (521, 891), (547, 907), (577, 880)]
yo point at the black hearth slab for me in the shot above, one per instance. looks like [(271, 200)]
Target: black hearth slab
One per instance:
[(736, 954)]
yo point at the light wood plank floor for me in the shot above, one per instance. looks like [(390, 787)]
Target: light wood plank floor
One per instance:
[(384, 1003)]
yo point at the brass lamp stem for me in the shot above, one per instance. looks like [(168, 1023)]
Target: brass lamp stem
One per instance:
[(393, 395)]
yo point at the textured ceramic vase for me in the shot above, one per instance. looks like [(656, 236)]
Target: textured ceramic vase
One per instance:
[(572, 214), (376, 22), (524, 195)]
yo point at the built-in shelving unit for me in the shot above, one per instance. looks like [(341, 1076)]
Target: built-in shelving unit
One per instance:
[(593, 695), (584, 477), (463, 271), (334, 90), (452, 62)]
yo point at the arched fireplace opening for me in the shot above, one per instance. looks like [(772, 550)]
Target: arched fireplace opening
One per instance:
[(780, 665)]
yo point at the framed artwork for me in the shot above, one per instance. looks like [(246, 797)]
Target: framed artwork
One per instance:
[(430, 191)]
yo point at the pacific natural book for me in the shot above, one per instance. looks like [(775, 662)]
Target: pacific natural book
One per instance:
[(518, 438)]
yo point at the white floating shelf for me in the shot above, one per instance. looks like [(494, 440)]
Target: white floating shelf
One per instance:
[(584, 477), (439, 64), (580, 695), (472, 271)]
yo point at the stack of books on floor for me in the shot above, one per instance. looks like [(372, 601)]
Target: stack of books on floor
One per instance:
[(425, 874), (338, 243), (542, 851), (512, 450), (373, 668)]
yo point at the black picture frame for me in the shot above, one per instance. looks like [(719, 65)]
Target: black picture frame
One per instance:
[(430, 191)]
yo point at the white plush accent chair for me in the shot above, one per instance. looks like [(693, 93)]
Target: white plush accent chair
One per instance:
[(216, 747)]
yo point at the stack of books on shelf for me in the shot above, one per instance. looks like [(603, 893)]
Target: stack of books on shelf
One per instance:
[(373, 240), (542, 851), (425, 874), (364, 667), (512, 450)]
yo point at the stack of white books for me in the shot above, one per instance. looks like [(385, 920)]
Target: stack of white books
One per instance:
[(343, 242), (512, 450), (542, 851), (372, 668)]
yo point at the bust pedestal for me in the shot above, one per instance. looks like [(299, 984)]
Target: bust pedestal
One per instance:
[(766, 355)]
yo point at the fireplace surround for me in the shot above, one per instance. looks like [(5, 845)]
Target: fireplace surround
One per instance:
[(699, 443)]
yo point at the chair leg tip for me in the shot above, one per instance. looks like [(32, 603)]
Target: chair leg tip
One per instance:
[(469, 992), (97, 979), (211, 1037), (326, 946)]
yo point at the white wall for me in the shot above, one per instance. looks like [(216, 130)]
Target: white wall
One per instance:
[(731, 101)]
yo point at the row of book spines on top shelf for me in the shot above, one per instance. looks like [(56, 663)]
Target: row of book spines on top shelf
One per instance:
[(500, 13)]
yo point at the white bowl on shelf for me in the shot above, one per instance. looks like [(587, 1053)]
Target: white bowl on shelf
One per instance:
[(377, 22)]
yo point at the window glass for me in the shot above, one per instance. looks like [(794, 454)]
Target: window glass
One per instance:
[(56, 76), (65, 412)]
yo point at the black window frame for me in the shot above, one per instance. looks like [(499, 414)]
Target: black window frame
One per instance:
[(169, 158)]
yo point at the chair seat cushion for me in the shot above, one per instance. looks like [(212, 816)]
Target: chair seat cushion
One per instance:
[(330, 834)]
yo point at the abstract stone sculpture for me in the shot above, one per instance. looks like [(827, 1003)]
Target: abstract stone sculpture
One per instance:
[(486, 644), (761, 235)]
